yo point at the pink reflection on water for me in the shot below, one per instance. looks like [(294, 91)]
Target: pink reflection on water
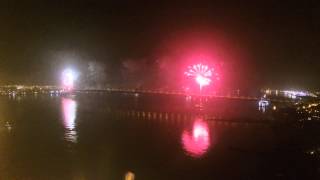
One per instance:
[(197, 142), (69, 108)]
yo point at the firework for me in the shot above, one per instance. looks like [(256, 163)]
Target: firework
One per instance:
[(202, 74), (68, 78)]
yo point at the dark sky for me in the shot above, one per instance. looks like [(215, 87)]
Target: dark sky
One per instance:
[(274, 44)]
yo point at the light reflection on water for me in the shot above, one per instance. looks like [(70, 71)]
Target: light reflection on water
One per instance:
[(69, 109), (197, 141), (262, 108), (263, 104), (146, 138)]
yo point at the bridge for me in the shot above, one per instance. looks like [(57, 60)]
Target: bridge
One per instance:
[(17, 90), (179, 93), (176, 117)]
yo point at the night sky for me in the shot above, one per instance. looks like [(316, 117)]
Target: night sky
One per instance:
[(272, 44)]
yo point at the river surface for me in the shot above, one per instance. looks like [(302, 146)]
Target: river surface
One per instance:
[(109, 136)]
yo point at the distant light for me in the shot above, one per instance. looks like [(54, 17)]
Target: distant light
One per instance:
[(294, 94), (274, 107), (268, 91), (311, 152), (129, 176), (19, 87), (188, 98)]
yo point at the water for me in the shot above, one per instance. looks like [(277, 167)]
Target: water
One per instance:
[(105, 136)]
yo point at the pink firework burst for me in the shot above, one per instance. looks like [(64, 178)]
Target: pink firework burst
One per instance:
[(202, 74)]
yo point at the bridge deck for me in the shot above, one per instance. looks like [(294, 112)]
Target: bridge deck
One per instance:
[(179, 93)]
